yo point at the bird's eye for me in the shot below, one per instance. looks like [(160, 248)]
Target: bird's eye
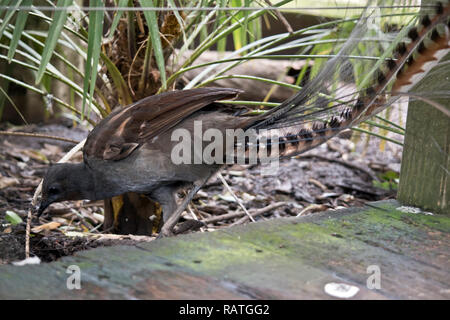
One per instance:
[(53, 191)]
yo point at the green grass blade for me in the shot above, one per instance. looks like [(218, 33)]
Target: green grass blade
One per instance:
[(238, 76), (196, 31), (8, 16), (43, 18), (221, 16), (5, 85), (115, 23), (237, 33), (119, 82), (53, 35), (391, 123), (370, 133), (178, 17), (13, 104), (20, 25), (93, 55), (152, 23), (387, 128)]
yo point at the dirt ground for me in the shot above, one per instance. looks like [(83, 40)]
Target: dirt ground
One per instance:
[(338, 174)]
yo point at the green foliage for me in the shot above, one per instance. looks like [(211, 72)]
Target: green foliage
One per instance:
[(52, 55), (388, 180), (49, 55)]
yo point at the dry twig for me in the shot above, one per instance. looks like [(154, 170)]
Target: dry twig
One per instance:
[(281, 17), (36, 135), (234, 196), (233, 215)]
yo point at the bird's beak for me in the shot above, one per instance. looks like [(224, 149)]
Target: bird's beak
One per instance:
[(43, 205)]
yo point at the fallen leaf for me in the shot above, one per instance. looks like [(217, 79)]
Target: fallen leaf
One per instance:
[(235, 173), (47, 227), (6, 182), (13, 217), (247, 197), (227, 197), (284, 187)]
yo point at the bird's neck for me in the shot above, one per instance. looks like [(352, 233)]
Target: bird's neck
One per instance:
[(81, 180), (90, 185)]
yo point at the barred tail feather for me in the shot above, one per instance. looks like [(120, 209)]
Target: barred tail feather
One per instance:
[(428, 43)]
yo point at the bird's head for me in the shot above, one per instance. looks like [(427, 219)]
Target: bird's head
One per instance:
[(64, 182)]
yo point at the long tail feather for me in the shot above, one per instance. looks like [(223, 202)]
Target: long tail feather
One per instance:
[(428, 43)]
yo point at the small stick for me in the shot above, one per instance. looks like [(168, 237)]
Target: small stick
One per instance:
[(316, 207), (234, 196), (27, 235), (259, 212), (36, 135), (233, 215), (191, 212)]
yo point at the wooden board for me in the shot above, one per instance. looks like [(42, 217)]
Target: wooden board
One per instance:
[(278, 259)]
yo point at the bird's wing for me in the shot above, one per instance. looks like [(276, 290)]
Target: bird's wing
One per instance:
[(116, 136)]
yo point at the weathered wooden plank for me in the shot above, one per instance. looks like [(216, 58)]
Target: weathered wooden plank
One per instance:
[(284, 258), (424, 178)]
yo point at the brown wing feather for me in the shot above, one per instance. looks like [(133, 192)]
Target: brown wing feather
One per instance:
[(125, 129)]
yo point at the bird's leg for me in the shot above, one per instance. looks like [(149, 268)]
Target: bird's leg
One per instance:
[(166, 197), (173, 218)]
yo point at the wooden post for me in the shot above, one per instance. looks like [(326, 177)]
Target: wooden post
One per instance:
[(425, 172)]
